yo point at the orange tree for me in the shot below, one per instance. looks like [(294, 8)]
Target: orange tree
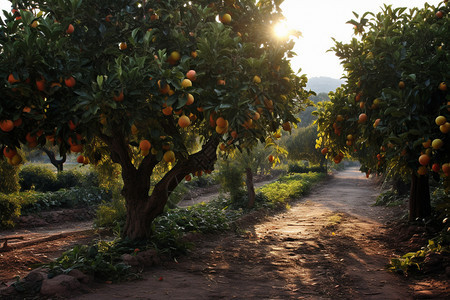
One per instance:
[(145, 83), (392, 114)]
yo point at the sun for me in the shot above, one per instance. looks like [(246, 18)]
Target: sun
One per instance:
[(281, 30)]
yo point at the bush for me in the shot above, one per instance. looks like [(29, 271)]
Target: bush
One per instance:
[(9, 182), (231, 179), (41, 178), (9, 211), (68, 179), (296, 168), (111, 214)]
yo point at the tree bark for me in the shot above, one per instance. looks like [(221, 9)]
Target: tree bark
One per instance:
[(419, 201), (250, 187), (58, 163), (142, 209)]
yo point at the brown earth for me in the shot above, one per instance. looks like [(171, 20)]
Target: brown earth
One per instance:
[(331, 244)]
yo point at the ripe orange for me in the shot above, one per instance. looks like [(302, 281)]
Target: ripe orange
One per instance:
[(376, 123), (188, 177), (443, 86), (437, 144), (439, 14), (446, 168), (70, 81), (221, 82), (271, 158), (175, 56), (422, 170), (134, 129), (6, 125), (445, 128), (40, 84), (186, 83), (8, 152), (108, 18), (427, 144), (286, 126), (145, 145), (123, 46), (339, 118), (184, 121), (169, 156), (440, 120), (436, 167), (362, 118), (256, 79), (70, 29), (349, 137), (221, 122), (401, 85), (15, 160), (221, 130), (167, 111), (226, 19), (118, 98), (324, 151), (80, 159), (361, 105), (424, 159), (17, 122), (348, 142), (12, 79), (165, 89), (190, 99), (256, 116), (358, 97), (234, 134), (30, 138), (194, 54), (222, 146), (191, 75)]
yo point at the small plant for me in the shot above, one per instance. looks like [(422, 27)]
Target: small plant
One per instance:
[(389, 198), (9, 210), (38, 178)]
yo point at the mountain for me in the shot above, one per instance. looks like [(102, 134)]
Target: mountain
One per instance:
[(323, 84)]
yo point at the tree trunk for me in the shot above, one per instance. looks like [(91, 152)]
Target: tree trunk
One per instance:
[(250, 187), (58, 163), (142, 209), (419, 201)]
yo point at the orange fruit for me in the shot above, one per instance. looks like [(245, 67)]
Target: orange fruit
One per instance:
[(424, 159), (437, 144), (362, 118), (70, 81), (80, 159), (446, 168), (123, 46), (145, 145), (256, 116), (222, 147), (286, 126), (221, 82), (6, 125), (169, 156), (194, 54), (12, 79), (422, 170), (226, 19), (440, 120), (271, 158), (234, 134), (401, 85), (70, 29), (40, 84), (439, 14), (175, 56), (76, 148), (358, 97), (324, 151), (436, 167), (445, 128), (118, 98), (188, 177), (165, 89), (186, 83), (443, 86), (15, 160), (8, 152), (191, 75), (221, 130), (376, 123), (108, 18), (221, 122), (256, 79), (339, 118), (167, 111), (184, 121), (427, 144), (190, 99)]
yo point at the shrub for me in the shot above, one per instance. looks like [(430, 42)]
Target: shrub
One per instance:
[(111, 214), (296, 168), (68, 179), (9, 210), (41, 178), (9, 182), (231, 179)]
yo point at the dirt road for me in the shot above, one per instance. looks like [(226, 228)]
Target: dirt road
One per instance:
[(329, 245)]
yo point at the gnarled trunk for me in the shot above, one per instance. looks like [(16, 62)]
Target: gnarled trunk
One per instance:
[(419, 200), (58, 163), (142, 209)]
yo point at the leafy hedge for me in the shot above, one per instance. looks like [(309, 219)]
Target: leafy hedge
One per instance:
[(16, 204), (42, 179)]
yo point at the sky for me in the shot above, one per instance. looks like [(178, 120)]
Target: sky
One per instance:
[(319, 21)]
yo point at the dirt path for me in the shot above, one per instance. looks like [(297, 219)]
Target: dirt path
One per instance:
[(329, 245)]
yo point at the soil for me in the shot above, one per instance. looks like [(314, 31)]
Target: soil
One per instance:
[(331, 244)]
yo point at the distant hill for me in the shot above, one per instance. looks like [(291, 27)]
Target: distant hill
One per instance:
[(323, 84)]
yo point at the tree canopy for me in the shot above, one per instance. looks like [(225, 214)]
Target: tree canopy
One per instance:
[(159, 78)]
